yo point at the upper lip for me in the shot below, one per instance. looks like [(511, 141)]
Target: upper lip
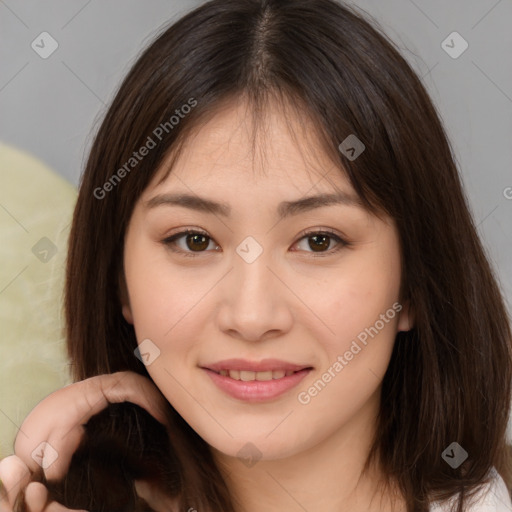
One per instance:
[(255, 366)]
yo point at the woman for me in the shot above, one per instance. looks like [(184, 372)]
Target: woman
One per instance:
[(271, 227)]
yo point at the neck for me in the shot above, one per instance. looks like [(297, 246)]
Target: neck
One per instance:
[(328, 476)]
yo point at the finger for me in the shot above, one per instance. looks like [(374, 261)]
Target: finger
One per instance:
[(53, 430), (153, 495), (54, 456), (57, 507), (36, 499), (132, 387), (14, 475), (36, 496), (4, 499)]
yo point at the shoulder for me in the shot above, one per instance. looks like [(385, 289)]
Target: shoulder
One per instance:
[(493, 497)]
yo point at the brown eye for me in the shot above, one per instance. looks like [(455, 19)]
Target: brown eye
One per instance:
[(195, 242), (320, 242)]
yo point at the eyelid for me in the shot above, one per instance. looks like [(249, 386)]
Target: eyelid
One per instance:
[(341, 240), (171, 239)]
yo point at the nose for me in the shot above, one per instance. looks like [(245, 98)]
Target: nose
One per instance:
[(255, 301)]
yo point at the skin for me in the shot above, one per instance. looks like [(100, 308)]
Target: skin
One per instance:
[(291, 303), (57, 420)]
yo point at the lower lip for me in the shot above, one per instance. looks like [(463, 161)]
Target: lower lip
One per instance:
[(257, 390)]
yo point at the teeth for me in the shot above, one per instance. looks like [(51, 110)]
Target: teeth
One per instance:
[(263, 375), (247, 376), (234, 374)]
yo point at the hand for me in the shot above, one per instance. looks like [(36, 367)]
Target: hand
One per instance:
[(58, 421), (15, 476)]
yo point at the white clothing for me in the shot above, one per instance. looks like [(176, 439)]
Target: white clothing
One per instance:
[(494, 497)]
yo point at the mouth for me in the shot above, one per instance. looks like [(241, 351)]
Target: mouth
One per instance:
[(256, 381), (248, 376), (266, 369)]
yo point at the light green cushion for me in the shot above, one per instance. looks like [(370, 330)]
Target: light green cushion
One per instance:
[(36, 207)]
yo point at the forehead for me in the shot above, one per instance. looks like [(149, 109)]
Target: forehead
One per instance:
[(236, 149)]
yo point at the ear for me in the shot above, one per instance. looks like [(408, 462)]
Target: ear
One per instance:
[(124, 299), (407, 318)]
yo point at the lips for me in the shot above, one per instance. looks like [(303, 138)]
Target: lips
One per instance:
[(256, 381), (250, 371), (251, 387)]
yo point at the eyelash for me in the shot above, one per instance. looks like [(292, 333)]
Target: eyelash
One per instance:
[(170, 242)]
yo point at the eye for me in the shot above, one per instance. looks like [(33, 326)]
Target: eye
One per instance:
[(196, 241), (318, 241)]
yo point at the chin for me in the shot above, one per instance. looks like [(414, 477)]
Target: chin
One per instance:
[(251, 449)]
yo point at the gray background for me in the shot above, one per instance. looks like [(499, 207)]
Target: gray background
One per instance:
[(49, 107)]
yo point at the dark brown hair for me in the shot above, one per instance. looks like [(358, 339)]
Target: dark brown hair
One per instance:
[(449, 378)]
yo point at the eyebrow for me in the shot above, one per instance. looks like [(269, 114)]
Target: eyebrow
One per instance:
[(284, 209)]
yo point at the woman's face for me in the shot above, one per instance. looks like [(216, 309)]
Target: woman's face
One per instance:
[(263, 284)]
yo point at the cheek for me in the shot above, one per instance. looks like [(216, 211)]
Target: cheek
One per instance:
[(363, 309), (167, 304), (357, 298), (153, 295), (357, 351)]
